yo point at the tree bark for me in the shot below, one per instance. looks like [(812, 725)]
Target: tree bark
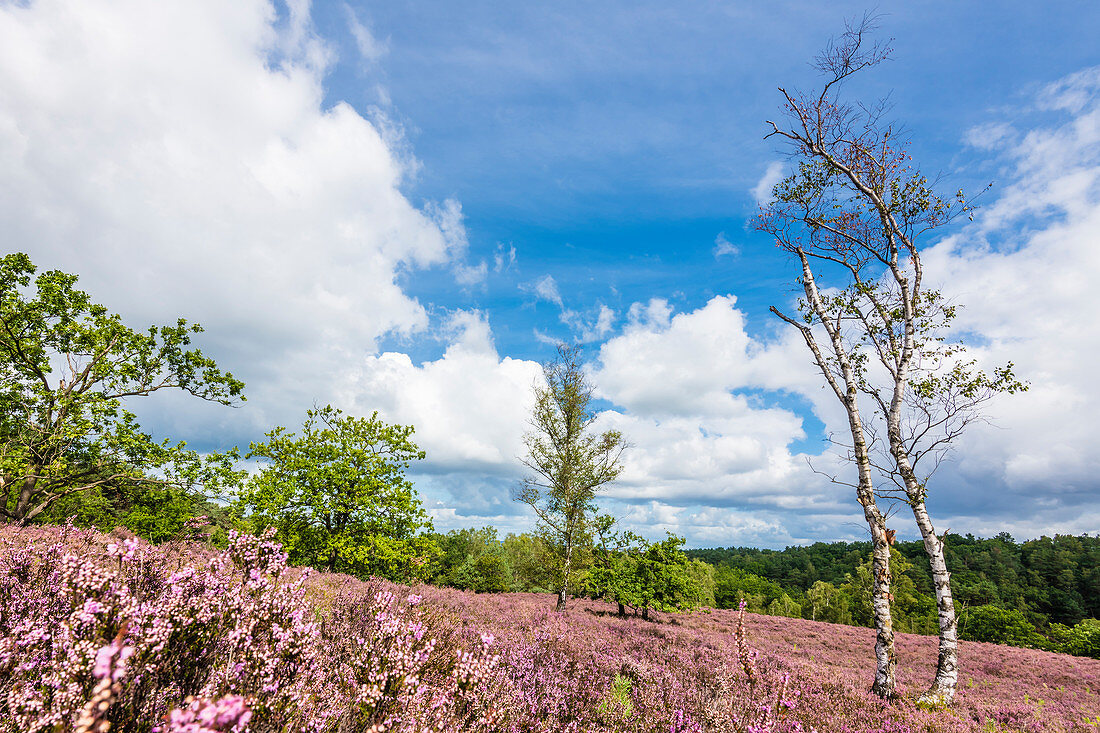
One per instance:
[(885, 684), (886, 660), (942, 691)]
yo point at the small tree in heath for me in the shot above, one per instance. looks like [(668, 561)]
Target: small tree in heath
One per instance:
[(569, 463), (338, 497)]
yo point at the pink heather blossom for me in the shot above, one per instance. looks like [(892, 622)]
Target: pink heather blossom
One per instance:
[(229, 713), (185, 639)]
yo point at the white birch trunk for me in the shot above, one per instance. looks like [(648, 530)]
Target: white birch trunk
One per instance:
[(942, 691), (885, 656)]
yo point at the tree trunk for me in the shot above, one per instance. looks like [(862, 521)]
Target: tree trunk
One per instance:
[(886, 659), (942, 691), (23, 500), (622, 611), (645, 613), (567, 567)]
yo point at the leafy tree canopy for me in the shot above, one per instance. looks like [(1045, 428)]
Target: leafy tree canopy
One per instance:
[(67, 366), (646, 575), (338, 496)]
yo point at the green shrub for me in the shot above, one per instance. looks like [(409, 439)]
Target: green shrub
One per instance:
[(1083, 640), (999, 626)]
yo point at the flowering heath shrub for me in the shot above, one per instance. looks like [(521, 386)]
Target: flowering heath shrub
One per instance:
[(101, 633), (98, 635)]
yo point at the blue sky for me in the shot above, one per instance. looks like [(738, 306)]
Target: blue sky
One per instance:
[(401, 206)]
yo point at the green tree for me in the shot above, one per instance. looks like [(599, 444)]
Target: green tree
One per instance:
[(526, 555), (1083, 639), (473, 559), (828, 603), (153, 511), (338, 497), (733, 585), (568, 464), (642, 575), (67, 366)]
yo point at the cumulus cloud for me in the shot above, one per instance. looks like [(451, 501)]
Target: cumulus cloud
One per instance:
[(1025, 272), (692, 396), (689, 364), (470, 407), (178, 156)]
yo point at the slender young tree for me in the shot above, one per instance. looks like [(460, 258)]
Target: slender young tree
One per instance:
[(568, 463), (859, 210)]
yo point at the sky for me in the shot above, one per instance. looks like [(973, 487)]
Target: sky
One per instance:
[(403, 207)]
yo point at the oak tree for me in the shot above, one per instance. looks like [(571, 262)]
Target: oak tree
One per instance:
[(338, 497), (67, 369)]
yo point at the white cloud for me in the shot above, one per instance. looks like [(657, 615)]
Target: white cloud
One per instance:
[(605, 321), (688, 364), (470, 407), (762, 191), (178, 156), (723, 246), (1026, 274), (690, 388), (504, 260), (546, 288)]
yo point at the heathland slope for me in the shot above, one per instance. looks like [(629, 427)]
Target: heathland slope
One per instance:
[(182, 637)]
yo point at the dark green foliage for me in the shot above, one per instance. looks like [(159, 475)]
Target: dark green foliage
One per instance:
[(1057, 578), (642, 575), (474, 559), (912, 611), (1042, 593), (1083, 639), (155, 513), (526, 555), (732, 585)]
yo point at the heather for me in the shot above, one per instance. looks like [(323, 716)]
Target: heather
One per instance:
[(690, 656), (99, 629), (101, 633)]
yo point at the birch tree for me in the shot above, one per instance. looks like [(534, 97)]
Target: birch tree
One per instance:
[(858, 210), (568, 464)]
